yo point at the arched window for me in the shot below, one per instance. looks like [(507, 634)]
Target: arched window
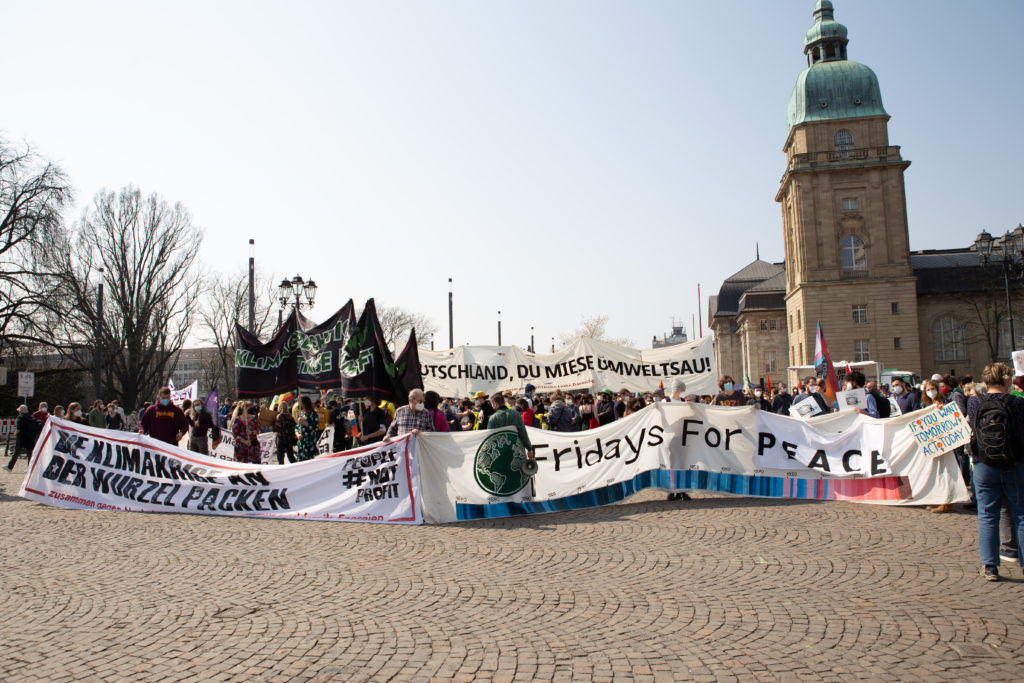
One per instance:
[(948, 338), (854, 254), (1004, 347), (843, 140)]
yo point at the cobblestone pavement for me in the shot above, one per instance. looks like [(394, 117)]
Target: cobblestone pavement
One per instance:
[(717, 588)]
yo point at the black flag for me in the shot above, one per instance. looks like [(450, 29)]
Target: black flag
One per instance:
[(366, 359), (405, 372), (301, 355)]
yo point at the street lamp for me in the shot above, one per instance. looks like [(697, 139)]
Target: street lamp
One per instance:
[(531, 339), (1011, 259), (499, 328), (297, 288)]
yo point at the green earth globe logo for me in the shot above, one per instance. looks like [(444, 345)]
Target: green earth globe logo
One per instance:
[(498, 464)]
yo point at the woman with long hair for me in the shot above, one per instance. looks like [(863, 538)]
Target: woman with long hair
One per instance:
[(931, 395), (308, 429), (246, 433)]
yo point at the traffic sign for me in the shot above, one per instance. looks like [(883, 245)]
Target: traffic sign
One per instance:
[(26, 384)]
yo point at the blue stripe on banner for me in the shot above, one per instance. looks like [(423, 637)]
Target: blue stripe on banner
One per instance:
[(740, 484)]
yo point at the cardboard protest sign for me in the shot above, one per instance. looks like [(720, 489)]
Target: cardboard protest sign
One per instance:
[(940, 430)]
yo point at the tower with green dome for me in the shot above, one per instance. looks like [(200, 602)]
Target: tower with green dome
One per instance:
[(844, 212)]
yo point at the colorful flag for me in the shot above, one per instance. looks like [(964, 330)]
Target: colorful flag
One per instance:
[(212, 400), (767, 383), (823, 367)]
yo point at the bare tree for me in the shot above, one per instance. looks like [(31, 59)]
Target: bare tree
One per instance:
[(33, 194), (594, 327), (148, 250), (225, 302), (397, 323)]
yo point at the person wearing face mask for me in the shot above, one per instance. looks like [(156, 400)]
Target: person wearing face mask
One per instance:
[(905, 398), (728, 395), (163, 420), (760, 400), (42, 413), (372, 422), (203, 429), (412, 418), (811, 394), (75, 413)]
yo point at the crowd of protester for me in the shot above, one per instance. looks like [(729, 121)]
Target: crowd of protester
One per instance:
[(997, 493)]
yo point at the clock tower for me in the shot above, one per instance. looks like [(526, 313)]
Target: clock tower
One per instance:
[(844, 214)]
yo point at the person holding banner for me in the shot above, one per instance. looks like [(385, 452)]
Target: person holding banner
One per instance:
[(505, 417), (412, 418), (163, 420)]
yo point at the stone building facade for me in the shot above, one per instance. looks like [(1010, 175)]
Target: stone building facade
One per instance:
[(848, 261)]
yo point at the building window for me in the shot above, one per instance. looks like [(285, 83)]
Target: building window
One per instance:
[(897, 343), (861, 350), (895, 307), (1004, 348), (948, 338), (854, 255), (860, 314), (801, 358), (843, 140), (773, 324), (769, 362), (764, 325), (791, 321), (799, 322), (850, 204)]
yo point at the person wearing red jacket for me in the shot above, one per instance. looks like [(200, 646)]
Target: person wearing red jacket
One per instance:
[(163, 420)]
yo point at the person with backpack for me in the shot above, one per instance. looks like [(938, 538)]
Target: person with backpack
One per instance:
[(560, 416), (997, 449)]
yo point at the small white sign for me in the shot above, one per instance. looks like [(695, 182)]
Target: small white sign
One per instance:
[(26, 384), (805, 409), (852, 400), (1018, 362), (894, 407)]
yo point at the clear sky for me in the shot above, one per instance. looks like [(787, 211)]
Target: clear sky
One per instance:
[(557, 159)]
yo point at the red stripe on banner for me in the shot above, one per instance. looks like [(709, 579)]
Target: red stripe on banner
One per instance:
[(38, 493)]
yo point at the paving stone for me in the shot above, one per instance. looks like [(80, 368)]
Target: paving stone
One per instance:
[(717, 588)]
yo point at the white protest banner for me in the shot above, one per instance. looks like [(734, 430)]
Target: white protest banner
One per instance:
[(584, 364), (677, 446), (179, 396), (225, 450), (852, 399), (939, 430), (79, 467)]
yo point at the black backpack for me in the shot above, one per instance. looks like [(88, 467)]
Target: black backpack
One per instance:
[(995, 441), (563, 421), (882, 403)]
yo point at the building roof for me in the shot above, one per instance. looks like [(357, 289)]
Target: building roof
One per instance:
[(950, 271), (736, 285), (832, 87)]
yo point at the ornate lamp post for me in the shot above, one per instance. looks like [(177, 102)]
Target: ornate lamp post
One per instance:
[(1010, 257), (297, 288)]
